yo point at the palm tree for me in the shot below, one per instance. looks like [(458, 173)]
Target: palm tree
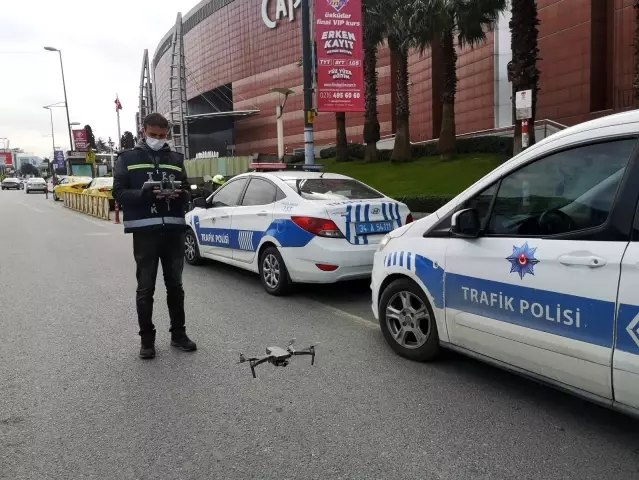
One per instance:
[(522, 70), (404, 32), (468, 21), (341, 141), (373, 37)]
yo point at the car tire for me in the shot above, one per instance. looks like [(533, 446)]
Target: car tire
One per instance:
[(419, 336), (191, 249), (273, 272), (55, 197)]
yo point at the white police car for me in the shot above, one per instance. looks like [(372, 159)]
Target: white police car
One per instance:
[(293, 226), (535, 267)]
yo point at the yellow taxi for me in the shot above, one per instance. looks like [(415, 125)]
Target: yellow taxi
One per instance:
[(102, 187), (71, 184)]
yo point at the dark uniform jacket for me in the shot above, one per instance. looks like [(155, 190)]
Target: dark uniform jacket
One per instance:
[(142, 210)]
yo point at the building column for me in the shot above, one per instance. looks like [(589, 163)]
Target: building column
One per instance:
[(502, 56)]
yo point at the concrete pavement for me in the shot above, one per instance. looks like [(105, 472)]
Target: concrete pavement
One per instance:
[(76, 402)]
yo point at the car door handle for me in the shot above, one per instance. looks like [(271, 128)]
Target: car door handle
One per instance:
[(592, 261), (262, 214), (224, 216)]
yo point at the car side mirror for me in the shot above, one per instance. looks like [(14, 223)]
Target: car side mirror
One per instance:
[(200, 202), (466, 224)]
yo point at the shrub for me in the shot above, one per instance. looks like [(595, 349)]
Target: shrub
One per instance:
[(487, 144)]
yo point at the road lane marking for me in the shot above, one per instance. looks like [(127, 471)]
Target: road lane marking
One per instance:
[(32, 208), (348, 316)]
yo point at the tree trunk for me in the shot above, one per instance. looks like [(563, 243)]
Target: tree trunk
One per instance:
[(446, 143), (371, 122), (402, 151), (636, 85), (522, 70), (340, 137)]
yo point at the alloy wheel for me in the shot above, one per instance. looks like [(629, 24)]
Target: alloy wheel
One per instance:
[(271, 271), (190, 248), (408, 320)]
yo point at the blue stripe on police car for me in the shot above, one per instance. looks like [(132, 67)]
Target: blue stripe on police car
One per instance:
[(571, 316), (286, 232)]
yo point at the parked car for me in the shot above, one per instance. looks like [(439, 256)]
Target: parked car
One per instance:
[(293, 226), (70, 184), (35, 185), (11, 183), (533, 268), (103, 187)]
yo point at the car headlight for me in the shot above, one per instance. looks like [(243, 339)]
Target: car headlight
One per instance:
[(384, 242)]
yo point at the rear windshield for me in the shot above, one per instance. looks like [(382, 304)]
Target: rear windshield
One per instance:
[(331, 189)]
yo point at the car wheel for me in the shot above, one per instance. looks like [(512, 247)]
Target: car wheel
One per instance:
[(408, 322), (273, 272), (191, 249), (55, 197)]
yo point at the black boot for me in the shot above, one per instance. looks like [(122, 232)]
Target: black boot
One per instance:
[(180, 340), (147, 349)]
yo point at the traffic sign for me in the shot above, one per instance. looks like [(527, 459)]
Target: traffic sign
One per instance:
[(90, 157)]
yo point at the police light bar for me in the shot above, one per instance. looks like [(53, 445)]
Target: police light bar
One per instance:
[(279, 167)]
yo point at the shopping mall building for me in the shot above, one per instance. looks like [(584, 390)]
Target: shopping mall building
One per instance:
[(237, 50)]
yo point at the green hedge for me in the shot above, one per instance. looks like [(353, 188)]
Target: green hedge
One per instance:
[(488, 144), (425, 203)]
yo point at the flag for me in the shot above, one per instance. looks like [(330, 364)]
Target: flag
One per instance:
[(118, 105)]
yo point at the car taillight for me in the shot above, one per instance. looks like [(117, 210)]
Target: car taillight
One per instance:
[(318, 226), (102, 190), (409, 219)]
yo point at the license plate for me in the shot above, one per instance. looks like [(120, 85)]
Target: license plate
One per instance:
[(373, 228)]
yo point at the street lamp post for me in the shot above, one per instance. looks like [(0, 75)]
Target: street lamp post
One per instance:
[(279, 111), (52, 134), (64, 87)]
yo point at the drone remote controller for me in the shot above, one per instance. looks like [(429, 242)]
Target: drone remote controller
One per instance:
[(163, 187)]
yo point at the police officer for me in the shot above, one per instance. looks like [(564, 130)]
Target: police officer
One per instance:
[(157, 223)]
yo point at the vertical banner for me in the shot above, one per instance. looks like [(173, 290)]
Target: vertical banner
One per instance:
[(80, 140), (6, 159), (340, 55), (58, 159)]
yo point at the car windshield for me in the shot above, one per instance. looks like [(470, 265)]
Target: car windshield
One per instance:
[(332, 189)]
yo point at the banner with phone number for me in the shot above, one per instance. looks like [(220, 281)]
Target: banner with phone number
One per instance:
[(340, 55)]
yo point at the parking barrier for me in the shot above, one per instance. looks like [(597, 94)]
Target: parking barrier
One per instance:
[(94, 205)]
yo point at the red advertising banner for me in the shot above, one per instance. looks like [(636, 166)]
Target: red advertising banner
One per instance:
[(6, 159), (340, 55), (80, 140)]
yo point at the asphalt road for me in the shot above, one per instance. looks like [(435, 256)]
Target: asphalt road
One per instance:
[(77, 403)]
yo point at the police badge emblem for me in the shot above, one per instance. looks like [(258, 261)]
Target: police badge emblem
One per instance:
[(523, 261)]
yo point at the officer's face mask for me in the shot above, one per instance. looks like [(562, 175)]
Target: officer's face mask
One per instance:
[(155, 143)]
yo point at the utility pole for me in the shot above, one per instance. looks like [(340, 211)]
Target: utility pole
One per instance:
[(307, 63)]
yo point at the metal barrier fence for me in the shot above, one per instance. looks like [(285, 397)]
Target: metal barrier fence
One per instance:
[(94, 205)]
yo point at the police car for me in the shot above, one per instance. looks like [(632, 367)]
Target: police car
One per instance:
[(534, 268), (293, 226)]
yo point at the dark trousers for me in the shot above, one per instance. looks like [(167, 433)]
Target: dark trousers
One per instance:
[(149, 249)]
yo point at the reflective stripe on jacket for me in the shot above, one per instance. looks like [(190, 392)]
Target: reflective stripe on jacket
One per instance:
[(142, 210)]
